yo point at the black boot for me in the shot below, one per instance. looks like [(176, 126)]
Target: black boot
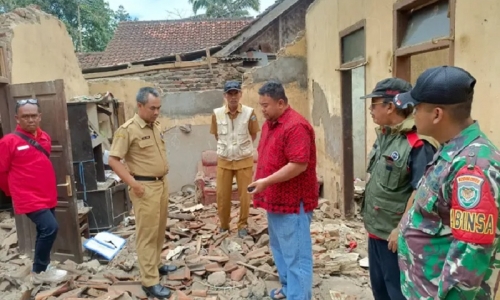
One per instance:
[(158, 291), (164, 270)]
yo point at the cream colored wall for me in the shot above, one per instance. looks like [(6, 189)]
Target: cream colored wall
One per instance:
[(44, 52), (125, 90), (324, 20), (296, 94), (476, 51)]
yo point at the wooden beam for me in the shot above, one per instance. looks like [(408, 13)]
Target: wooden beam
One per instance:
[(355, 27), (423, 47), (352, 65), (3, 65), (5, 109), (347, 144), (209, 59), (176, 65), (452, 8), (409, 5)]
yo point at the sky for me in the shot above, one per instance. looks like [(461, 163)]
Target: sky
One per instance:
[(147, 10)]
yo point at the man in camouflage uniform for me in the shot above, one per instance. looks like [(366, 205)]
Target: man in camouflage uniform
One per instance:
[(449, 239), (396, 164)]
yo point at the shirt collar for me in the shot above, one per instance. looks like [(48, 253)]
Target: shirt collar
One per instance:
[(140, 121), (462, 140), (406, 125), (281, 118), (237, 110), (38, 132)]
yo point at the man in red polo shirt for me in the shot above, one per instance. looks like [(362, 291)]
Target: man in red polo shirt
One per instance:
[(27, 175), (287, 188)]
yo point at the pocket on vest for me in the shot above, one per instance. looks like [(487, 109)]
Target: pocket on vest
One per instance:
[(246, 148), (222, 128), (389, 173), (387, 214), (222, 149)]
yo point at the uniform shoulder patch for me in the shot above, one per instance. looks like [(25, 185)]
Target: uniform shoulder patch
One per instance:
[(253, 118), (469, 190), (474, 213), (127, 123)]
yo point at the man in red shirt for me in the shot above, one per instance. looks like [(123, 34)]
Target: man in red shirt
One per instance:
[(287, 188), (27, 175)]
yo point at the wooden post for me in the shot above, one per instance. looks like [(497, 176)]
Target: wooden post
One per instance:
[(209, 60)]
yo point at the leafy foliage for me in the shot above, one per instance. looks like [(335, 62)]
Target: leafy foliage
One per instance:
[(122, 15), (98, 21), (225, 8)]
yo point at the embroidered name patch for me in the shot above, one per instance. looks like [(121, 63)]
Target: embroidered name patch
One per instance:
[(146, 137), (472, 222), (469, 190), (395, 155), (21, 148)]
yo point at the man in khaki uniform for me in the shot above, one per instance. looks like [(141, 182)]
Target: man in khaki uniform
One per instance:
[(235, 127), (140, 142)]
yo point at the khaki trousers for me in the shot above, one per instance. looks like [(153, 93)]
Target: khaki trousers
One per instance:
[(151, 211), (224, 191)]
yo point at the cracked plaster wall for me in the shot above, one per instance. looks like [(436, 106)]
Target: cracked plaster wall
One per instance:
[(38, 48), (473, 47), (179, 108), (324, 82)]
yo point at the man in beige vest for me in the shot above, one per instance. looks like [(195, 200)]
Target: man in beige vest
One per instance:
[(235, 127)]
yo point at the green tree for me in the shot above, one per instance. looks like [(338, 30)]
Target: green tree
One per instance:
[(122, 15), (225, 8), (90, 23)]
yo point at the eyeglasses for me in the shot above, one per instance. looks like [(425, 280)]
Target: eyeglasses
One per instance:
[(27, 101), (23, 102)]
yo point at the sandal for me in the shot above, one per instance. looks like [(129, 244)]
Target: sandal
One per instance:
[(277, 294)]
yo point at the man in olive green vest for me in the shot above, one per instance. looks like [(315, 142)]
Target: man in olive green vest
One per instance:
[(396, 164)]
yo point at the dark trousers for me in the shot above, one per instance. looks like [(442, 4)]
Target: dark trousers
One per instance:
[(46, 233), (384, 271)]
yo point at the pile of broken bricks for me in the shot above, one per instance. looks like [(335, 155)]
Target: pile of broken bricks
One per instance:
[(211, 265)]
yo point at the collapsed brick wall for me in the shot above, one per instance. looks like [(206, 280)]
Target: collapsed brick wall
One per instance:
[(294, 22), (291, 22), (270, 37), (193, 79)]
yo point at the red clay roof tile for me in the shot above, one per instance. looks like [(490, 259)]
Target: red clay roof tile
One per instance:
[(89, 59), (141, 40)]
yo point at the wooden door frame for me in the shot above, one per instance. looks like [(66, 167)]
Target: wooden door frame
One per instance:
[(5, 114), (402, 55), (348, 207)]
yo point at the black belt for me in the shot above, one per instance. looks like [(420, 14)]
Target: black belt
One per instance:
[(147, 178)]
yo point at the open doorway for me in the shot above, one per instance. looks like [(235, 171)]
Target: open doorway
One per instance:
[(423, 36), (353, 61)]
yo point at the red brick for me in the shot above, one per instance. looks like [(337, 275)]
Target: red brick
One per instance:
[(238, 274)]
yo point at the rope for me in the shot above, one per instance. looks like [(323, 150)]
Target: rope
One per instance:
[(82, 177)]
